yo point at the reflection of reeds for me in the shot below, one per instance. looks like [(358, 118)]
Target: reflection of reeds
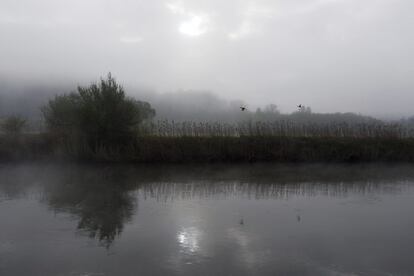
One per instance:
[(284, 128)]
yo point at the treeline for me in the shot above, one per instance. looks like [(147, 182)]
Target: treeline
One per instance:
[(101, 123)]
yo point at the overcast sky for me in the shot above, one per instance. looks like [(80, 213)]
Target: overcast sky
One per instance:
[(333, 55)]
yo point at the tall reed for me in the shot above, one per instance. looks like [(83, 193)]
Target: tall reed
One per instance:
[(281, 128)]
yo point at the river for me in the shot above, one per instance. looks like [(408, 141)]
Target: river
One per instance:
[(262, 219)]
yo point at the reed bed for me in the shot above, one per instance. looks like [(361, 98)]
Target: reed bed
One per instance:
[(281, 128), (175, 142)]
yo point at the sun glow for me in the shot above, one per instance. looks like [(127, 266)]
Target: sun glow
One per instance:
[(194, 23), (195, 26)]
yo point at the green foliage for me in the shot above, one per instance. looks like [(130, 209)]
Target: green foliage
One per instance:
[(99, 114), (13, 125)]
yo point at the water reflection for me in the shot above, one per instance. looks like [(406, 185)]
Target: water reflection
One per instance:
[(103, 198), (100, 198), (189, 239), (206, 220)]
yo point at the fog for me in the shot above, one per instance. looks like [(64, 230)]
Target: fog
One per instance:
[(26, 100), (331, 55)]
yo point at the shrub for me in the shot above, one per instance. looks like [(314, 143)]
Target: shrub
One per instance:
[(13, 125), (99, 114)]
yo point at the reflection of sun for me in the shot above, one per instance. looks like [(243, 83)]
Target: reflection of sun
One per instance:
[(195, 26), (189, 239)]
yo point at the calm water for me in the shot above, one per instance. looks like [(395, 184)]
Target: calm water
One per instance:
[(207, 220)]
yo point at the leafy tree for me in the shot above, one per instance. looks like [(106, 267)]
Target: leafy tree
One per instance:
[(100, 113), (13, 125)]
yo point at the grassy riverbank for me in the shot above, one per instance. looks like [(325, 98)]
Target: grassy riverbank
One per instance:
[(101, 123), (211, 149)]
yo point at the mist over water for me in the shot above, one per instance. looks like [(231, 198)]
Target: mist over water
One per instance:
[(217, 219)]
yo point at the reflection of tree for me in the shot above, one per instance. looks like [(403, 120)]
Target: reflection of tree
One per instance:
[(101, 199), (103, 215)]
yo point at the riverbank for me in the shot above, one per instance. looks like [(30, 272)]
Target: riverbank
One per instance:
[(38, 147)]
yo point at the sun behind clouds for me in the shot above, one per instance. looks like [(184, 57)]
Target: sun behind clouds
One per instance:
[(193, 24)]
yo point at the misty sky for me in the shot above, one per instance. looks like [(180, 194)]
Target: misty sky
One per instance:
[(334, 55)]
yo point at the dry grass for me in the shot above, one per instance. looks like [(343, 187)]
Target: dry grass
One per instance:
[(279, 141), (284, 128)]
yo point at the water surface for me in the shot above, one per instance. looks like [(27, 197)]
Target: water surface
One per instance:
[(207, 220)]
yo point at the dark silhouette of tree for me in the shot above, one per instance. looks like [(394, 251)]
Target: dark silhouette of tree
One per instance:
[(101, 114)]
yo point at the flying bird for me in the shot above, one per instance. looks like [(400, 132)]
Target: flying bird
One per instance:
[(300, 106), (243, 108)]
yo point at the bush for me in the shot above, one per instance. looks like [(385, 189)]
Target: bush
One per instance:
[(13, 125), (99, 114)]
